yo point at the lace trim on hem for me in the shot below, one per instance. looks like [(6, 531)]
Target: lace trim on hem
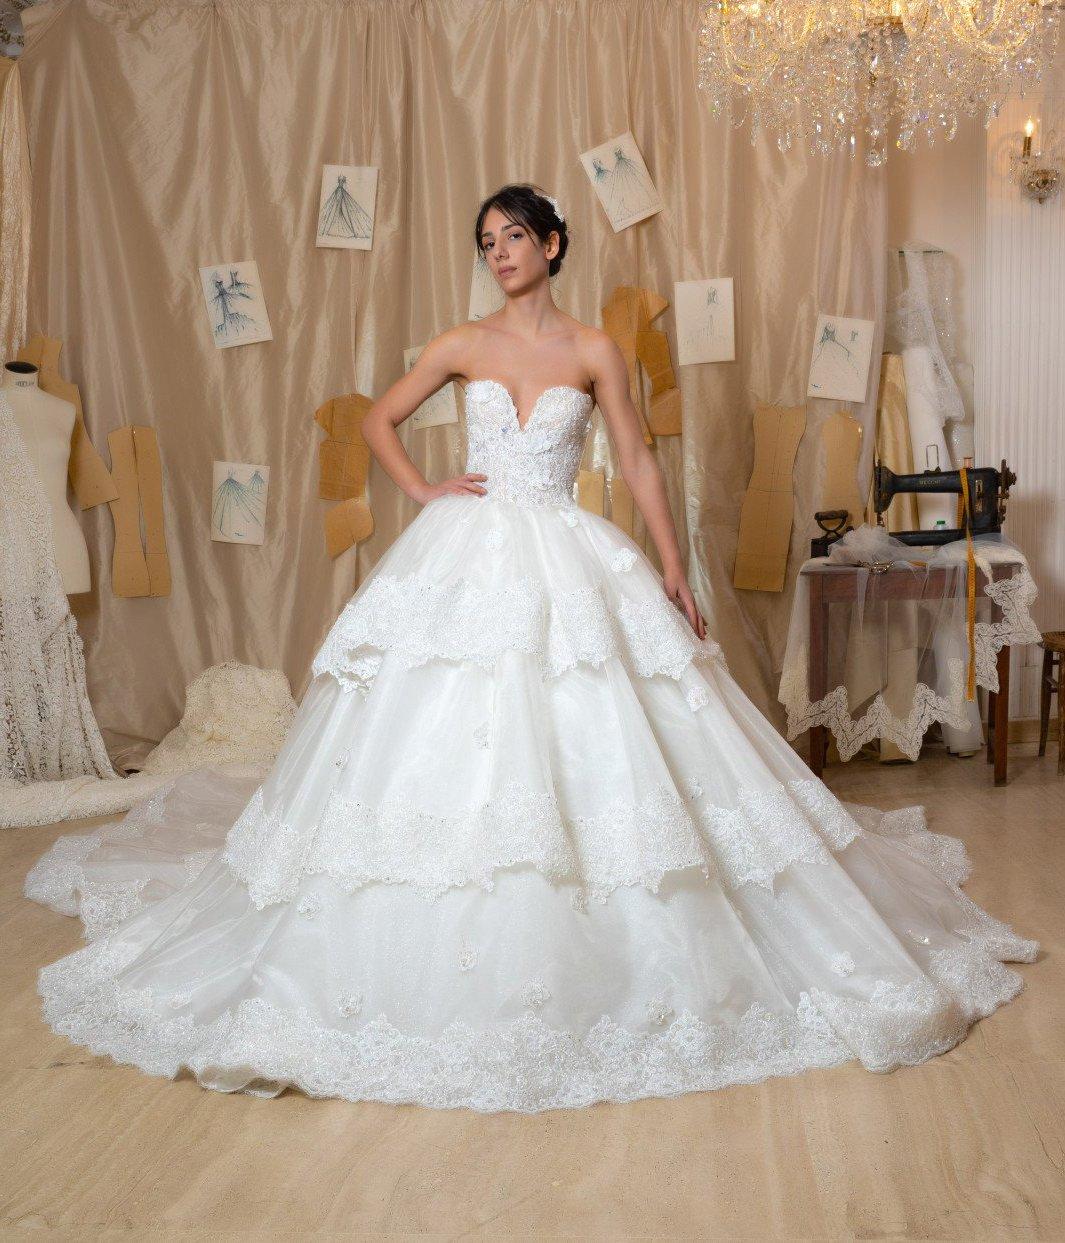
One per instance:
[(419, 619), (58, 879), (396, 842), (523, 1065), (1013, 595)]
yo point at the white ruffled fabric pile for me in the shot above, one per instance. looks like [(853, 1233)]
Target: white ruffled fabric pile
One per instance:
[(235, 719)]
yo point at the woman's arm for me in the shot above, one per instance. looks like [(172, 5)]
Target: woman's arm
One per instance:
[(439, 362), (639, 469)]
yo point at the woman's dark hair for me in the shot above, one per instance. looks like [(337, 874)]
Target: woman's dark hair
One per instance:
[(524, 204)]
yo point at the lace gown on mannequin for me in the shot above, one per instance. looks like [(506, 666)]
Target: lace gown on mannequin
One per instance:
[(526, 845)]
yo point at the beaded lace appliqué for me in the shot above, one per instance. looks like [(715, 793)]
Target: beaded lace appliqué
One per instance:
[(419, 619), (534, 465), (524, 1064), (751, 842)]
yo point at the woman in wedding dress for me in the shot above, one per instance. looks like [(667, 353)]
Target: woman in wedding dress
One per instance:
[(527, 844)]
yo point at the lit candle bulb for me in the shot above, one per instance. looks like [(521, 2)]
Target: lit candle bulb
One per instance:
[(1029, 130)]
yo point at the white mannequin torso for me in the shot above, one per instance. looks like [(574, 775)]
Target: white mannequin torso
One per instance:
[(46, 424)]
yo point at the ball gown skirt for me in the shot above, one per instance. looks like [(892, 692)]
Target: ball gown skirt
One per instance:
[(526, 845)]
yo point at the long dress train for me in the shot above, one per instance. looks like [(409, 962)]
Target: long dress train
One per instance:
[(526, 845)]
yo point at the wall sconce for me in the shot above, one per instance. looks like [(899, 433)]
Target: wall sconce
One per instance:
[(1037, 171)]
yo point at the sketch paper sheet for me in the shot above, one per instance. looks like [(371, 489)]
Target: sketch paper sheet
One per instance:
[(346, 207), (439, 407), (238, 502), (706, 329), (233, 295), (485, 294), (622, 182), (839, 365)]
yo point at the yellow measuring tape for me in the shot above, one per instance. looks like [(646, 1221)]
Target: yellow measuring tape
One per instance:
[(965, 516)]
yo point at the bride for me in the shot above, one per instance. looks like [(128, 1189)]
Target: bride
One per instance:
[(527, 844)]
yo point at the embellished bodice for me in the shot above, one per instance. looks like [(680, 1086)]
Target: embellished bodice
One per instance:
[(531, 465)]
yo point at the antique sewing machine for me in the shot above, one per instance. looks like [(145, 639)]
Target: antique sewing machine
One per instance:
[(989, 489)]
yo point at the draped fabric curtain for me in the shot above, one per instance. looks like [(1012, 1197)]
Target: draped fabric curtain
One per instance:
[(166, 136), (14, 210)]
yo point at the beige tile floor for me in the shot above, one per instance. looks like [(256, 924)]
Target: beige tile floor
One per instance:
[(970, 1146)]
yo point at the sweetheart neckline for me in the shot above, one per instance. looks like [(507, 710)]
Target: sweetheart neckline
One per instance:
[(536, 404)]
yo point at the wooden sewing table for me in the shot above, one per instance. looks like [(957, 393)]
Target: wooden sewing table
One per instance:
[(839, 584)]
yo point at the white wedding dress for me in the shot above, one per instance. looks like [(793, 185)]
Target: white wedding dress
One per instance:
[(526, 845)]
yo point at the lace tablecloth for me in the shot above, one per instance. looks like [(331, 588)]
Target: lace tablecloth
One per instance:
[(893, 658)]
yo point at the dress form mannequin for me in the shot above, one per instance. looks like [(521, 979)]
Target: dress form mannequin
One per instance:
[(46, 424)]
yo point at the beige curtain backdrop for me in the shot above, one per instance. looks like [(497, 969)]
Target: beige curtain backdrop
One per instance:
[(166, 136), (14, 210)]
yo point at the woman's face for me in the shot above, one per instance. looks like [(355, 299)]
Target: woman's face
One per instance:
[(515, 255)]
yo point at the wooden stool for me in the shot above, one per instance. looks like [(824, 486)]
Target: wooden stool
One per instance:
[(1053, 645)]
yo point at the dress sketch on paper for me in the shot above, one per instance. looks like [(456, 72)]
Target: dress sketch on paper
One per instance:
[(628, 188), (621, 180), (705, 321), (439, 407), (229, 318), (235, 306), (829, 341), (485, 293), (238, 502), (839, 363), (342, 216), (486, 297), (346, 207)]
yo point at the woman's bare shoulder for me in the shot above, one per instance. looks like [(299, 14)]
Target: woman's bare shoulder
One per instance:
[(592, 337), (453, 347), (597, 348)]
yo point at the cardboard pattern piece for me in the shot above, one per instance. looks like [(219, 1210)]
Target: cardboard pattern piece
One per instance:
[(89, 477), (627, 318), (138, 475), (842, 438), (766, 515), (344, 462)]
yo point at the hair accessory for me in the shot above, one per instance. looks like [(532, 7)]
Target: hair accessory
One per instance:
[(554, 204)]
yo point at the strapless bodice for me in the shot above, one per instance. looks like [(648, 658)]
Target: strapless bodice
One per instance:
[(531, 465)]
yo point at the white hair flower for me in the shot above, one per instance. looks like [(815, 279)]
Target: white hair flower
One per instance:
[(554, 204)]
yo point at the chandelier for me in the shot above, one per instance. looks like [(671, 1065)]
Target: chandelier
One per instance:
[(833, 73)]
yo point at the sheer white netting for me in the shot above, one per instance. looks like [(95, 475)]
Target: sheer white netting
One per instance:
[(921, 318), (891, 667), (49, 729)]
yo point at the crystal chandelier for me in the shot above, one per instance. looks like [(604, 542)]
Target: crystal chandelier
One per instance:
[(830, 72)]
